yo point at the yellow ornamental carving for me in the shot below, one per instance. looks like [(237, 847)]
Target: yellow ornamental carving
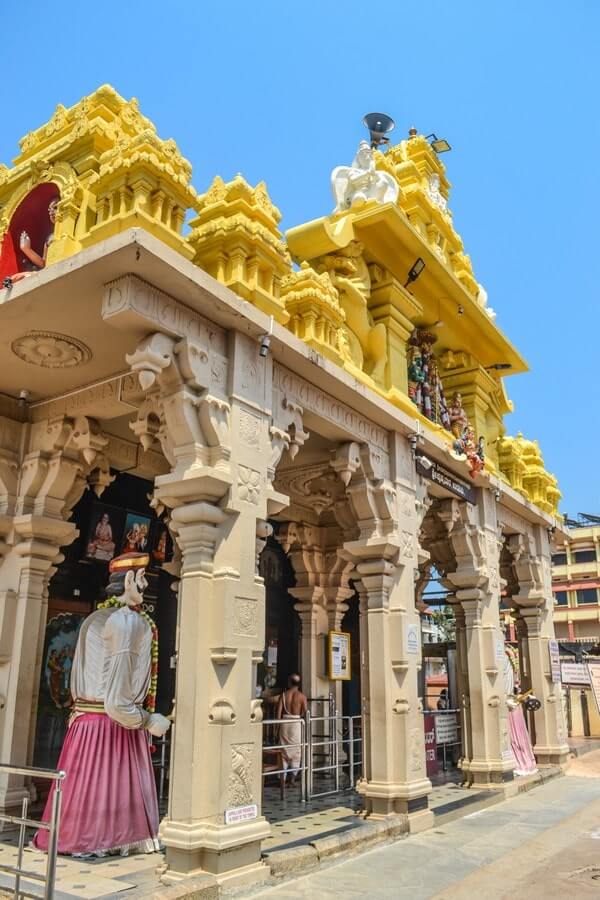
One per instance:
[(522, 465), (110, 171), (315, 313), (235, 239), (143, 181)]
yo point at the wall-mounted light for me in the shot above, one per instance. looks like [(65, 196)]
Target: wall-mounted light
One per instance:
[(460, 310), (379, 124), (438, 145), (497, 495), (424, 462), (499, 367), (415, 270)]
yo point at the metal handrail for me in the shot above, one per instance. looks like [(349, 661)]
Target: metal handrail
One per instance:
[(302, 744), (24, 822)]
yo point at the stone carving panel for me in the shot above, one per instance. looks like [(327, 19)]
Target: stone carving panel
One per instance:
[(248, 484), (239, 791), (51, 350), (245, 617)]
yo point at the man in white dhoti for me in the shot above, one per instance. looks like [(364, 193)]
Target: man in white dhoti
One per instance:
[(291, 708)]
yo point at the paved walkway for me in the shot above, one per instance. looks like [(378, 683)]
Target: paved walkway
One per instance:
[(505, 851)]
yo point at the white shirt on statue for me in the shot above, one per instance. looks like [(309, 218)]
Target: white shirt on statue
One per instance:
[(112, 667)]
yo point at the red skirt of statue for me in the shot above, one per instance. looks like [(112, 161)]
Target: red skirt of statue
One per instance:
[(520, 742), (109, 793)]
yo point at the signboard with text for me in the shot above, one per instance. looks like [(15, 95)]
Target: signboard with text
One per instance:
[(241, 814), (433, 471), (594, 671), (446, 728), (574, 673), (554, 661), (338, 656)]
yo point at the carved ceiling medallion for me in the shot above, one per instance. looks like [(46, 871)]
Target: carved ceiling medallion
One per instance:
[(51, 350)]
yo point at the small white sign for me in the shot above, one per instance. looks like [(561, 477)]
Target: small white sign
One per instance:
[(554, 661), (499, 649), (241, 814), (446, 728), (412, 638), (574, 673)]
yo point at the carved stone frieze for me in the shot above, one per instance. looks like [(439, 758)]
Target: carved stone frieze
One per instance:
[(241, 778), (315, 401)]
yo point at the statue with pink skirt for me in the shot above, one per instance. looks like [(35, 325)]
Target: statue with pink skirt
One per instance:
[(109, 794), (520, 741)]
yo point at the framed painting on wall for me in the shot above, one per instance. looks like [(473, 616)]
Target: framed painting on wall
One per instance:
[(136, 534), (106, 528)]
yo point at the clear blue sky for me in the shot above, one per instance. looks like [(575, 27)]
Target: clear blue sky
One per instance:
[(277, 90)]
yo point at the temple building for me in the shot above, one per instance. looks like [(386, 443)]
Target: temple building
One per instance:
[(301, 429)]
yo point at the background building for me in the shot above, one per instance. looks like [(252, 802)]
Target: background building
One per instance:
[(575, 582)]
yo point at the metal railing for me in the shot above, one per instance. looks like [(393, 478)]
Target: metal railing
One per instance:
[(331, 754), (447, 732), (24, 822)]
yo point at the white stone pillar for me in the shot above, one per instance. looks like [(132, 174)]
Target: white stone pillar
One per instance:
[(39, 485), (473, 536), (386, 556), (531, 563), (216, 432)]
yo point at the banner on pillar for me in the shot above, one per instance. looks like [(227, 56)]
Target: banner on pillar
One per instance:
[(430, 744), (338, 656), (554, 661)]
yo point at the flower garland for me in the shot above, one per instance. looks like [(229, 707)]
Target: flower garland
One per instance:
[(150, 701)]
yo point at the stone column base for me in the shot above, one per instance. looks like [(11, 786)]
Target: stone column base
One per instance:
[(552, 755), (487, 774), (224, 851), (384, 799)]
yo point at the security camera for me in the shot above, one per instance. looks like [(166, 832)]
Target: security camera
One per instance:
[(426, 463), (265, 343), (23, 398)]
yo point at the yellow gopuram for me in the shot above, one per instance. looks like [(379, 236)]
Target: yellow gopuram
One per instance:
[(345, 283)]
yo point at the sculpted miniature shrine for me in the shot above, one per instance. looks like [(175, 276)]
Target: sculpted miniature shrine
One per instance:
[(291, 430)]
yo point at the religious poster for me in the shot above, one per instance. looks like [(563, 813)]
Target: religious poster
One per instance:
[(338, 656), (136, 534), (594, 671), (55, 696), (161, 545), (106, 527)]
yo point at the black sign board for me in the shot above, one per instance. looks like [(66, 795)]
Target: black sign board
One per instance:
[(432, 470)]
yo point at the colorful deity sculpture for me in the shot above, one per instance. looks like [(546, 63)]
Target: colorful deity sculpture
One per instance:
[(425, 386), (458, 417), (29, 260), (109, 795), (468, 445)]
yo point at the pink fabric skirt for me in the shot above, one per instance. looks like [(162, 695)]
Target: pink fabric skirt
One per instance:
[(520, 742), (109, 794)]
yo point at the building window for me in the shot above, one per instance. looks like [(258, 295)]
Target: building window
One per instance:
[(559, 559), (561, 598), (584, 556), (587, 595)]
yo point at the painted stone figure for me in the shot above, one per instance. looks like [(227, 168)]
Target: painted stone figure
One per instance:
[(31, 261), (458, 417), (425, 386), (360, 182), (106, 753)]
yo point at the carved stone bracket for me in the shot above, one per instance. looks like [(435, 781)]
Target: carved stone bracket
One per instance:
[(287, 434), (528, 571), (371, 496), (191, 424)]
